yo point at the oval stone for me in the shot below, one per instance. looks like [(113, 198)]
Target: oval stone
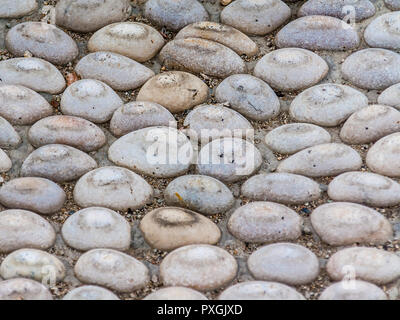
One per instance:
[(392, 4), (90, 99), (280, 69), (175, 90), (96, 227), (35, 194), (57, 162), (345, 223), (383, 31), (248, 95), (23, 289), (24, 229), (202, 194), (176, 293), (90, 293), (112, 187), (353, 290), (201, 267), (327, 104), (201, 56), (137, 41), (369, 264), (9, 138), (328, 159), (391, 96), (5, 162), (119, 72), (17, 8), (261, 222), (112, 269), (34, 73)]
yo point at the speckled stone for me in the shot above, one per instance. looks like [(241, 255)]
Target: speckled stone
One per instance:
[(9, 138), (383, 31), (36, 194), (392, 4), (23, 289), (201, 56), (17, 8), (112, 187), (327, 104), (137, 41), (90, 293), (281, 69), (248, 95), (201, 267), (119, 72), (5, 162), (391, 96), (353, 290), (176, 293)]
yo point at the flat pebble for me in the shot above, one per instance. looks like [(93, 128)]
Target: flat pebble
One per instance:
[(256, 17), (5, 162), (260, 222), (248, 95), (23, 289), (90, 99), (286, 188), (9, 138), (90, 293), (174, 14), (392, 4), (24, 229), (137, 41), (43, 40), (327, 104), (201, 56), (201, 267), (90, 15), (96, 227), (383, 31), (353, 290), (112, 269), (169, 228), (176, 293), (373, 68), (328, 159), (345, 223), (175, 90), (280, 69), (57, 162), (112, 187), (369, 264), (36, 194), (391, 96), (202, 194), (119, 72), (17, 8)]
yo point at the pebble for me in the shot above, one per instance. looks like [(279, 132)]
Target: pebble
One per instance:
[(17, 8), (281, 68), (294, 137), (354, 290), (90, 293), (112, 269), (327, 104), (22, 106), (223, 34), (155, 151), (365, 188), (229, 159), (175, 90), (318, 33), (169, 228), (57, 162), (369, 264), (138, 115), (90, 15), (345, 223), (43, 40), (201, 267), (90, 99), (261, 222), (256, 17), (370, 124), (36, 194), (5, 162), (323, 160), (391, 96), (284, 188), (202, 194), (34, 73), (249, 96), (24, 229), (23, 289), (201, 56), (260, 290), (96, 227), (113, 187), (174, 14), (392, 4), (383, 31), (372, 68), (384, 156), (137, 41), (176, 293), (9, 138), (33, 264)]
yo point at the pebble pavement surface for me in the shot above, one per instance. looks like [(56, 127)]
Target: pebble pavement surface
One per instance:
[(298, 101)]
